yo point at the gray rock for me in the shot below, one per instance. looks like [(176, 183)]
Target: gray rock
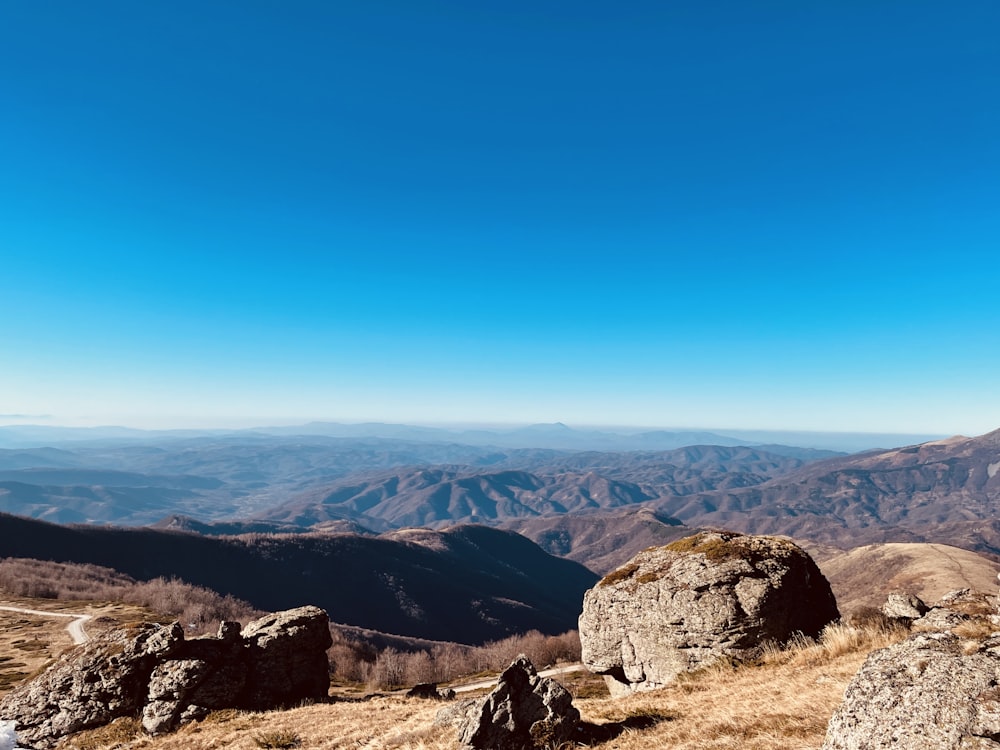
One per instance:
[(925, 693), (154, 672), (456, 714), (899, 606), (287, 661), (524, 711), (170, 685), (681, 607), (955, 595), (939, 619)]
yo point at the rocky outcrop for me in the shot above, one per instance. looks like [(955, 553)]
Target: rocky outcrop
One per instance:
[(154, 673), (926, 693), (908, 607), (524, 711), (680, 607)]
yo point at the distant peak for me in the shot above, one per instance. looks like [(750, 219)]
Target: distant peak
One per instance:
[(549, 426)]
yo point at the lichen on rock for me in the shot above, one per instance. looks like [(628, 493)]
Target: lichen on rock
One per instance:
[(926, 693), (699, 599)]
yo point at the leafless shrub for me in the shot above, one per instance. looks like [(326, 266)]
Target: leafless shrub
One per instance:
[(358, 662), (198, 608)]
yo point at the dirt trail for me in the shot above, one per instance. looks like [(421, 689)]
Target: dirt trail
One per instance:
[(959, 569), (75, 628)]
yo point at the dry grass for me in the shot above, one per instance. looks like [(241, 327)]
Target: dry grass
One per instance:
[(390, 723), (27, 644), (976, 629), (927, 570), (277, 740), (116, 734), (782, 702)]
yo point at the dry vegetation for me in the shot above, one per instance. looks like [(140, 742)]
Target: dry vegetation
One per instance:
[(781, 702), (29, 643), (356, 663), (200, 609), (927, 570)]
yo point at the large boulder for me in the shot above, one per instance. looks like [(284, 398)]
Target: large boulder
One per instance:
[(524, 711), (154, 673), (930, 692), (681, 607)]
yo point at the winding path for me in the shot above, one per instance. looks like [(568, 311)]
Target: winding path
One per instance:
[(75, 628)]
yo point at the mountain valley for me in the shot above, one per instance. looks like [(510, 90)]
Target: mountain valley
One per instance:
[(270, 518)]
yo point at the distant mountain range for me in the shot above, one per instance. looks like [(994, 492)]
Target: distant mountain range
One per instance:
[(556, 436), (377, 482), (281, 521), (944, 491), (433, 497)]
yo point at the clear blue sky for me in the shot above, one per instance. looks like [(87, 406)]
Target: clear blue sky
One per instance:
[(733, 214)]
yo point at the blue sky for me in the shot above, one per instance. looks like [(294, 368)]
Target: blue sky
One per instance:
[(775, 215)]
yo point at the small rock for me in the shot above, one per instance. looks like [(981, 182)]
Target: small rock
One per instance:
[(939, 619), (900, 606), (456, 714), (523, 712), (427, 690), (229, 631), (955, 595)]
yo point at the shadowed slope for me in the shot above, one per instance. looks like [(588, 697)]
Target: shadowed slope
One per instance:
[(467, 584)]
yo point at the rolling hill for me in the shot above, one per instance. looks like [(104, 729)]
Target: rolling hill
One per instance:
[(864, 576), (467, 584), (442, 497), (246, 476), (601, 540), (944, 491)]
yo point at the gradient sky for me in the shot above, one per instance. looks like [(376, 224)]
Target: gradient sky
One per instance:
[(777, 215)]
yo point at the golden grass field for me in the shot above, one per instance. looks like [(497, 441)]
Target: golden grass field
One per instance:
[(927, 570), (782, 702)]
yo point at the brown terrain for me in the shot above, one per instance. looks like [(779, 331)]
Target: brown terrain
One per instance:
[(30, 641), (862, 577), (944, 491)]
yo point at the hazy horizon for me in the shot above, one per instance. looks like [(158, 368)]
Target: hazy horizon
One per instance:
[(250, 424), (776, 218)]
